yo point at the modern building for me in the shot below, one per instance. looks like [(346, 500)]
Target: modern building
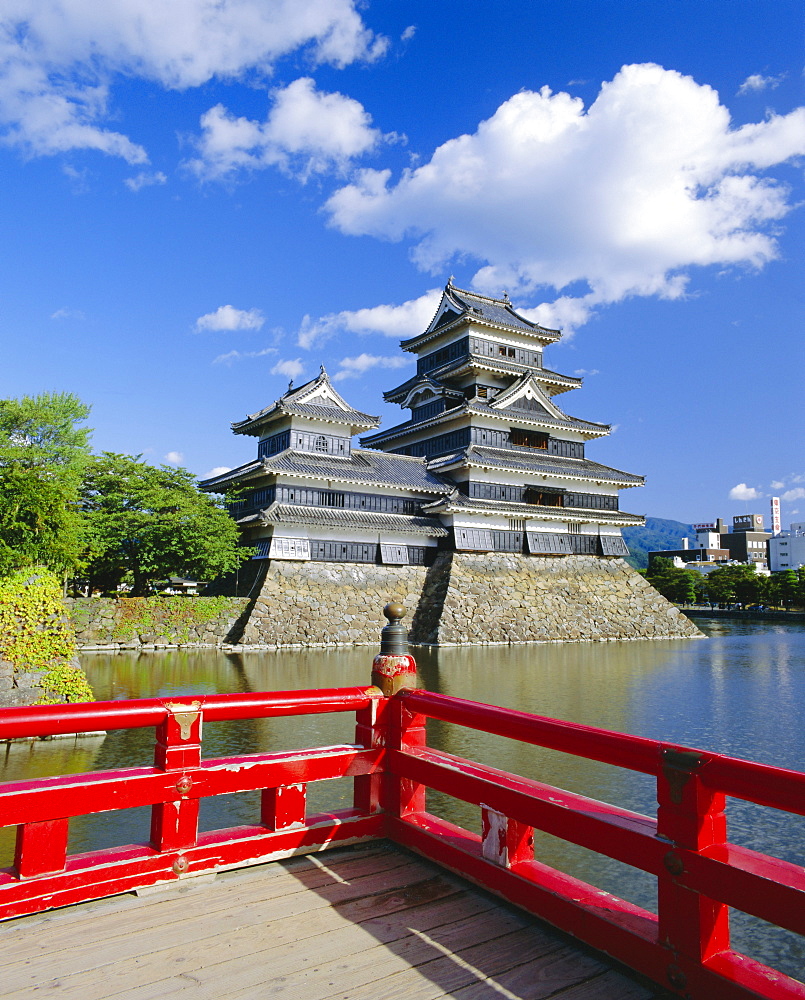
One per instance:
[(487, 461), (787, 550), (747, 542)]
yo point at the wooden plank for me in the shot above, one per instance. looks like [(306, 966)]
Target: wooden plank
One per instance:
[(269, 883), (85, 957), (356, 924), (94, 957)]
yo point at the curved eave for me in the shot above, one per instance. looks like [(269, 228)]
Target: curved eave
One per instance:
[(511, 414), (544, 335), (220, 484), (534, 512), (476, 362), (577, 474), (326, 517), (253, 428), (508, 417), (336, 475)]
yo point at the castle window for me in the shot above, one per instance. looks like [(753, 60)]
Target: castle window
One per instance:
[(511, 352), (528, 439), (320, 444)]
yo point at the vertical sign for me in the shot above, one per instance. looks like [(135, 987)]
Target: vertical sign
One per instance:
[(775, 515)]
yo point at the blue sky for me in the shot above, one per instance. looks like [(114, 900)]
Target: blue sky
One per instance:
[(203, 199)]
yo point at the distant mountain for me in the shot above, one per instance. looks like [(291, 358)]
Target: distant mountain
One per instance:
[(659, 533)]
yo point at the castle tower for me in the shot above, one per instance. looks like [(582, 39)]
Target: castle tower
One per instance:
[(484, 416)]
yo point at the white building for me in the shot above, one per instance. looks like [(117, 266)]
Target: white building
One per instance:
[(787, 550)]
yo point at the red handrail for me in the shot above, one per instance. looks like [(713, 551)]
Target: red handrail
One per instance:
[(685, 945), (52, 720)]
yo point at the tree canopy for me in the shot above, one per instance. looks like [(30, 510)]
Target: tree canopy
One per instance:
[(145, 523), (679, 585), (43, 451)]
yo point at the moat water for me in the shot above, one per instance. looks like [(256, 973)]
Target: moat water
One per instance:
[(740, 692)]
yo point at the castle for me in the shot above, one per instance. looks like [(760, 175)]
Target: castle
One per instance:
[(487, 462), (481, 512)]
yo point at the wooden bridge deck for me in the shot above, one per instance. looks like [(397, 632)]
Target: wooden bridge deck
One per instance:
[(364, 923)]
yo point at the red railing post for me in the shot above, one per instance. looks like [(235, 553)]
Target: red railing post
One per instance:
[(505, 841), (371, 731), (174, 824), (41, 848), (394, 670), (284, 806), (691, 816)]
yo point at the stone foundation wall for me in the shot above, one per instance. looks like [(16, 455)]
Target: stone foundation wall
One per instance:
[(462, 598), (325, 604), (156, 622), (504, 597)]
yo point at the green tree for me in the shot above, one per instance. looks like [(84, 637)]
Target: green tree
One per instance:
[(785, 587), (734, 584), (43, 450), (146, 523), (675, 584)]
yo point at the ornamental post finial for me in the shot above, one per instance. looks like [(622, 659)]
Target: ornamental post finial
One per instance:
[(394, 668), (290, 385)]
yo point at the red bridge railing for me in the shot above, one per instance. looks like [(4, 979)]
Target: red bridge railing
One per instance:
[(685, 946)]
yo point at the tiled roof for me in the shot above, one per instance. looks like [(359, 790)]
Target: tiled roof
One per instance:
[(520, 413), (333, 517), (476, 407), (329, 413), (499, 365), (505, 366), (498, 311), (457, 502), (523, 459), (219, 484), (484, 309), (328, 405), (362, 466)]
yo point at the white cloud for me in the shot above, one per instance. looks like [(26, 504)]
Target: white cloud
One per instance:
[(625, 197), (307, 131), (585, 371), (757, 82), (229, 318), (409, 33), (145, 178), (219, 470), (355, 367), (744, 492), (293, 369), (776, 484), (402, 321), (59, 59), (231, 356), (174, 458), (791, 495), (67, 313)]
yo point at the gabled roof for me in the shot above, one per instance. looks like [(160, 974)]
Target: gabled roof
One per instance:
[(423, 383), (527, 461), (483, 363), (505, 407), (459, 306), (316, 399)]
